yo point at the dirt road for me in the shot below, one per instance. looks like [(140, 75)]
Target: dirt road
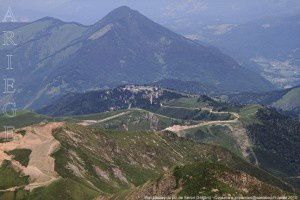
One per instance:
[(91, 122)]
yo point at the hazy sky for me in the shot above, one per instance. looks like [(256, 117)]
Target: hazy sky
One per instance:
[(163, 11)]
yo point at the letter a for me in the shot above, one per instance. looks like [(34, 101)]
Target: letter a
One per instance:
[(9, 17)]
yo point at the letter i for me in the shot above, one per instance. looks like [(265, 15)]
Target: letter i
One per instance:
[(9, 65)]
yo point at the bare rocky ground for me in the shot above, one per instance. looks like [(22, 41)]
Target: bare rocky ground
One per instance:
[(40, 141)]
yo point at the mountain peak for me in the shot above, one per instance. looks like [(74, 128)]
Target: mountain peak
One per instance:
[(132, 20), (123, 10), (120, 13)]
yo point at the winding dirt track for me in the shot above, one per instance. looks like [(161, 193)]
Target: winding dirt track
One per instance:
[(178, 128), (40, 141), (236, 128), (91, 122)]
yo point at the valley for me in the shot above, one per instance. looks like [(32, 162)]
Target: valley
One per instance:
[(269, 46)]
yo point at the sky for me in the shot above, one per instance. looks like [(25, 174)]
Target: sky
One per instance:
[(163, 11)]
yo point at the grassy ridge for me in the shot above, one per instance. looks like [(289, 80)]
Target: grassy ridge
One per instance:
[(98, 116), (136, 156), (22, 119), (138, 120), (214, 134), (248, 114)]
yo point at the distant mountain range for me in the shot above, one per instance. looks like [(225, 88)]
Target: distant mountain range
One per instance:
[(53, 58)]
